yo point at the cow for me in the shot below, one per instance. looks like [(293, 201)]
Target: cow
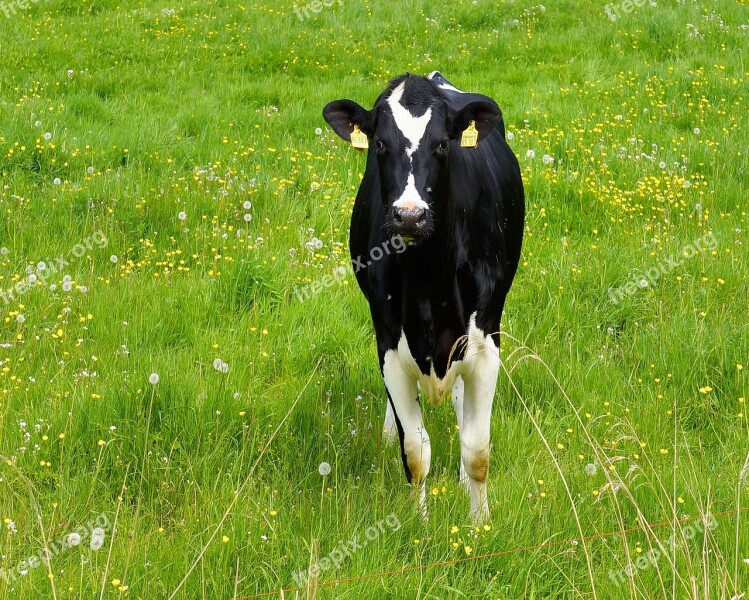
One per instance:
[(440, 177)]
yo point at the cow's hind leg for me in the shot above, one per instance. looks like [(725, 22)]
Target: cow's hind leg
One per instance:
[(479, 386), (416, 451), (457, 400), (390, 428)]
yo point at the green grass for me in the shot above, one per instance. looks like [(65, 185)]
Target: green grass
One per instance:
[(155, 108)]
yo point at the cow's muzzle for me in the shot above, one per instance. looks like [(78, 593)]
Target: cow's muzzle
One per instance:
[(410, 222)]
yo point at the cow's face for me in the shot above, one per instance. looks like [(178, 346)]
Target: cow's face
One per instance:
[(412, 131)]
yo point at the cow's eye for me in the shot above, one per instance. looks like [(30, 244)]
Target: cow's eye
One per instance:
[(443, 146), (379, 146)]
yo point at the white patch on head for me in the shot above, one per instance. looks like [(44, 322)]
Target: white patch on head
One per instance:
[(412, 128), (410, 198)]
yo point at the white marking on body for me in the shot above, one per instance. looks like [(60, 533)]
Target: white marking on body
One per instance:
[(401, 386)]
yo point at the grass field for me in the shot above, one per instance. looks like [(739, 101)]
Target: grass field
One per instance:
[(169, 165)]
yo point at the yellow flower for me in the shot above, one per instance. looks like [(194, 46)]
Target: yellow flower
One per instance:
[(454, 529), (225, 539), (664, 451), (468, 550), (116, 582)]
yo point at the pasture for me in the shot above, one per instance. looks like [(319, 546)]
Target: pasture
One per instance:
[(188, 374)]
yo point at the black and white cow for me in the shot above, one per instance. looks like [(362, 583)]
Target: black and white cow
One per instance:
[(436, 306)]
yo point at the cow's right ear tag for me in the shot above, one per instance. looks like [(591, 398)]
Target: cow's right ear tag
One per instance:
[(359, 140), (470, 137)]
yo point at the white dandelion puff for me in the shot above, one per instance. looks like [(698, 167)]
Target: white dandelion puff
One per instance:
[(97, 538), (153, 378), (324, 469)]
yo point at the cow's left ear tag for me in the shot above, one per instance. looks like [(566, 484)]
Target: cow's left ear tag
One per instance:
[(359, 140), (470, 137)]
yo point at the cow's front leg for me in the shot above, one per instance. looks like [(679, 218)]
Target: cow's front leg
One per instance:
[(403, 397), (479, 387)]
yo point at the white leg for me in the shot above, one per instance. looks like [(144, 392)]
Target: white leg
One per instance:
[(416, 451), (457, 400), (479, 388), (389, 429)]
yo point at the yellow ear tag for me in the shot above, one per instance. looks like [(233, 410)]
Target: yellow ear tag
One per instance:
[(470, 137), (359, 140)]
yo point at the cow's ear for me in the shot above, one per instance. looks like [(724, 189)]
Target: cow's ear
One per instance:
[(486, 116), (342, 115)]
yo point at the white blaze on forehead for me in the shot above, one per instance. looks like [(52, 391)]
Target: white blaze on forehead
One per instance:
[(411, 127)]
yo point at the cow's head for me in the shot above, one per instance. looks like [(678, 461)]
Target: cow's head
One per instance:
[(412, 129)]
